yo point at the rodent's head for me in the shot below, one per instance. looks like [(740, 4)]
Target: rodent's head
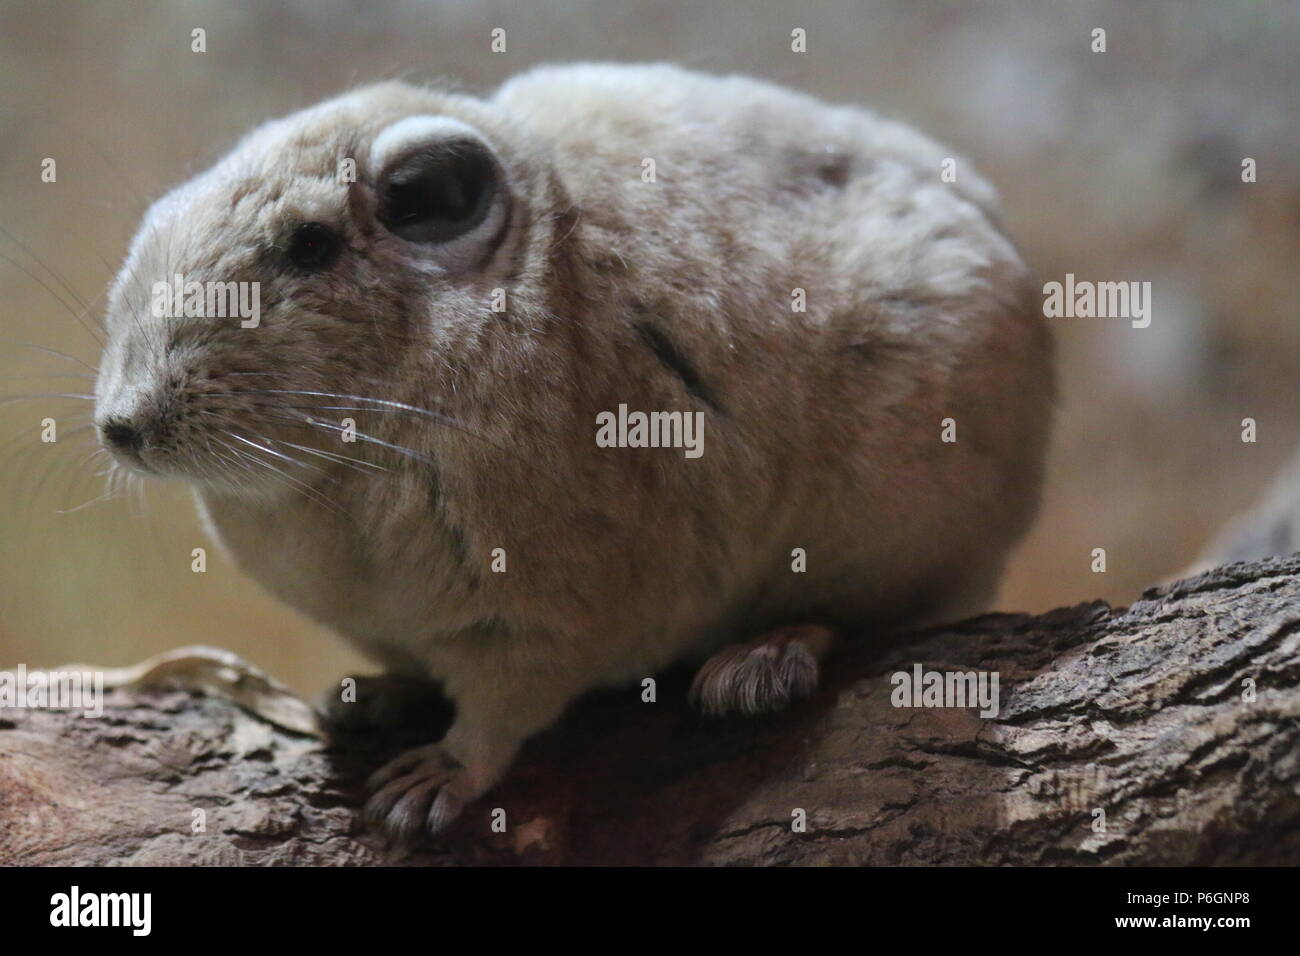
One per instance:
[(311, 263)]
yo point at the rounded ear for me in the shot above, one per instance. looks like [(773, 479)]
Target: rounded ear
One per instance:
[(438, 181)]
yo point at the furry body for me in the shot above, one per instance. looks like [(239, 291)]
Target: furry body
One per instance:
[(822, 427)]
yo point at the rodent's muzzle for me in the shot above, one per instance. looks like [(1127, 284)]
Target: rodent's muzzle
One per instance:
[(125, 440), (121, 436)]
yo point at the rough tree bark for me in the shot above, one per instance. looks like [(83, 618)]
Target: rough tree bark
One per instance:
[(1178, 717)]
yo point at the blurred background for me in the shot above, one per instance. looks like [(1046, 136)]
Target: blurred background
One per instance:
[(1115, 166)]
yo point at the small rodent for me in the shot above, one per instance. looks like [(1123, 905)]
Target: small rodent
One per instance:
[(862, 343)]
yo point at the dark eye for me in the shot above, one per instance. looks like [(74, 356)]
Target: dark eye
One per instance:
[(438, 193), (314, 247)]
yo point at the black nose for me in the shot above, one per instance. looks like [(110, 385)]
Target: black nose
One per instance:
[(121, 435)]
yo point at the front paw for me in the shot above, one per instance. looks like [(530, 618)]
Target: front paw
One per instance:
[(422, 789), (386, 702)]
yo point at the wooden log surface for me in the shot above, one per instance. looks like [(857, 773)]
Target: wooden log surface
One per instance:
[(1167, 732)]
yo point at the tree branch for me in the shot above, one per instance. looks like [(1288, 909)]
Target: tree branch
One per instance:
[(1144, 714)]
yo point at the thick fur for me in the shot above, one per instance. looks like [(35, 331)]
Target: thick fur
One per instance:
[(822, 428)]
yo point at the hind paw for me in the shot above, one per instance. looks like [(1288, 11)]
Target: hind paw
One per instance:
[(764, 674)]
